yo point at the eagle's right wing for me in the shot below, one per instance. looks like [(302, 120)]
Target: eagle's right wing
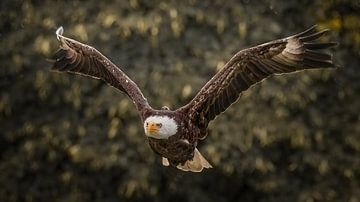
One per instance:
[(79, 58)]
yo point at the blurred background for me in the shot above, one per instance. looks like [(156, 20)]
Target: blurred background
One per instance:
[(68, 138)]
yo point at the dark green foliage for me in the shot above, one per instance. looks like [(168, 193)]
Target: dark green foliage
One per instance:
[(70, 138)]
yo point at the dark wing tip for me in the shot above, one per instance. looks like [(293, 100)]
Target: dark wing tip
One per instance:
[(320, 45), (310, 30), (315, 55), (313, 36), (61, 59)]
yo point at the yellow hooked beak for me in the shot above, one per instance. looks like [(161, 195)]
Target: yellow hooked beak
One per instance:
[(152, 127)]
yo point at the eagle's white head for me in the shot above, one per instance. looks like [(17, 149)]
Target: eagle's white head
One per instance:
[(160, 127)]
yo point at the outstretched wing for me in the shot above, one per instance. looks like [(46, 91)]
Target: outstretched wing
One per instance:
[(252, 65), (79, 58)]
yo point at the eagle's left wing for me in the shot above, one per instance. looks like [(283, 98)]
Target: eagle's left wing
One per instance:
[(252, 65)]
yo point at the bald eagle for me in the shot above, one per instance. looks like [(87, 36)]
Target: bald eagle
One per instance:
[(174, 134)]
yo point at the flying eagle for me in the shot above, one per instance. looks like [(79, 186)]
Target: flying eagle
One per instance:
[(173, 134)]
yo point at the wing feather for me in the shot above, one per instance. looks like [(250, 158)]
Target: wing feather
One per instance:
[(78, 58), (252, 65), (318, 46)]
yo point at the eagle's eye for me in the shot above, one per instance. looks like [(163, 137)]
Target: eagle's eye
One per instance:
[(159, 125), (147, 124)]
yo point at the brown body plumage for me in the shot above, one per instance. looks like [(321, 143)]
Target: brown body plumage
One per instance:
[(188, 124)]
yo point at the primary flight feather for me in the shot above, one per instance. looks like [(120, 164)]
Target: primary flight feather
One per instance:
[(173, 134)]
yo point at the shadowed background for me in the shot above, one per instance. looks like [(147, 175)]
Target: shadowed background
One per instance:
[(69, 138)]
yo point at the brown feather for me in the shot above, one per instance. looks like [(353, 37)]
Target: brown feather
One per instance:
[(79, 58), (250, 66)]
